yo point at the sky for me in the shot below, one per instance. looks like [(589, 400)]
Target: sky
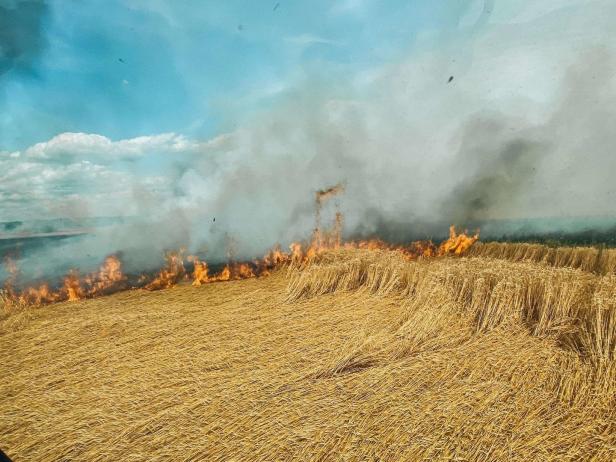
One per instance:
[(84, 77), (140, 67), (182, 111)]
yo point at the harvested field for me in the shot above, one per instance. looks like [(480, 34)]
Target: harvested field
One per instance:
[(596, 259), (360, 355)]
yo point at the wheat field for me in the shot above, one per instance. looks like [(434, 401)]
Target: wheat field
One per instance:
[(507, 354)]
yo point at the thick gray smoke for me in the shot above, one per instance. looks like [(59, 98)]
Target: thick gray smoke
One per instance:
[(523, 130), (560, 167)]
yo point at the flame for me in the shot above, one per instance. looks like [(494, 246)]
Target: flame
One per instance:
[(200, 272), (224, 275), (457, 244), (37, 295), (108, 279), (110, 276), (73, 288), (243, 271), (171, 274)]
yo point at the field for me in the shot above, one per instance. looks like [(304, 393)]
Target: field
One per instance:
[(508, 353)]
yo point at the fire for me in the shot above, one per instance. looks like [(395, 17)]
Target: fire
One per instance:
[(200, 272), (275, 257), (37, 296), (243, 271), (73, 288), (110, 277), (110, 273), (224, 275), (457, 243), (296, 251), (171, 274)]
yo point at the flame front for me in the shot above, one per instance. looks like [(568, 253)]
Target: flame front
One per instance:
[(110, 277)]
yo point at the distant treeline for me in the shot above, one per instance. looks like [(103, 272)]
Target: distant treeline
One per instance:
[(590, 237)]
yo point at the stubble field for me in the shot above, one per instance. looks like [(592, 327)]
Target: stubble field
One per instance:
[(506, 354)]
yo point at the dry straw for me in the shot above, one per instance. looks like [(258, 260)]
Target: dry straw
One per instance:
[(574, 306), (595, 259), (361, 355)]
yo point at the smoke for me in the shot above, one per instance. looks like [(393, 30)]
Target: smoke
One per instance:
[(21, 33), (524, 130), (559, 168)]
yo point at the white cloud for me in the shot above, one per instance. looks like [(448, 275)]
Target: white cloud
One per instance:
[(92, 146), (78, 173)]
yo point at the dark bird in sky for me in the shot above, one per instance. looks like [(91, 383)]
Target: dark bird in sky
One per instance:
[(276, 6), (121, 60), (450, 79)]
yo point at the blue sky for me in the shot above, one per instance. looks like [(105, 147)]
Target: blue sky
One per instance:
[(138, 67)]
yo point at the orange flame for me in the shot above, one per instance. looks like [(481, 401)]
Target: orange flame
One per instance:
[(243, 271), (200, 272), (171, 274), (224, 275), (109, 275), (111, 278), (73, 288), (37, 295), (457, 244), (107, 279)]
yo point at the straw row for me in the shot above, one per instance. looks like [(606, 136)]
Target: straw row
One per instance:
[(573, 306), (599, 260)]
